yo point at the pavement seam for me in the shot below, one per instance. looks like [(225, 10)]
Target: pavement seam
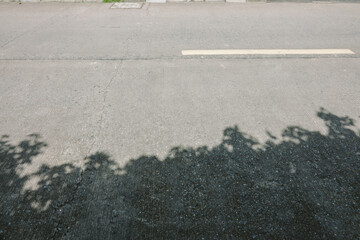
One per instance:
[(218, 57), (354, 56)]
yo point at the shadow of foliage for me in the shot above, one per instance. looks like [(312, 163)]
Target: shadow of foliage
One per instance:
[(302, 186)]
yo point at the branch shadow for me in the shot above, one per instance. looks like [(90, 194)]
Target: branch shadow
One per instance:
[(302, 186)]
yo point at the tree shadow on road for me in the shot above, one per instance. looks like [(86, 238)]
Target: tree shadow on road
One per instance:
[(302, 186)]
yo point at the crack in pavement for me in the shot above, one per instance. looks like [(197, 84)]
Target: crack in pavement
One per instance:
[(61, 225), (105, 92)]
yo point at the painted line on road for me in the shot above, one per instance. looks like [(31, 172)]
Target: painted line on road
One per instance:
[(267, 52)]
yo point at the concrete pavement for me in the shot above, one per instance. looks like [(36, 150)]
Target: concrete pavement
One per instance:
[(109, 84)]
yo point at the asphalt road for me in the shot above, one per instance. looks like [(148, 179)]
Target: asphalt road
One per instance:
[(99, 87)]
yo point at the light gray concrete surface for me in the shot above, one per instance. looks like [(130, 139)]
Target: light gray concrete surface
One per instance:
[(88, 78)]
